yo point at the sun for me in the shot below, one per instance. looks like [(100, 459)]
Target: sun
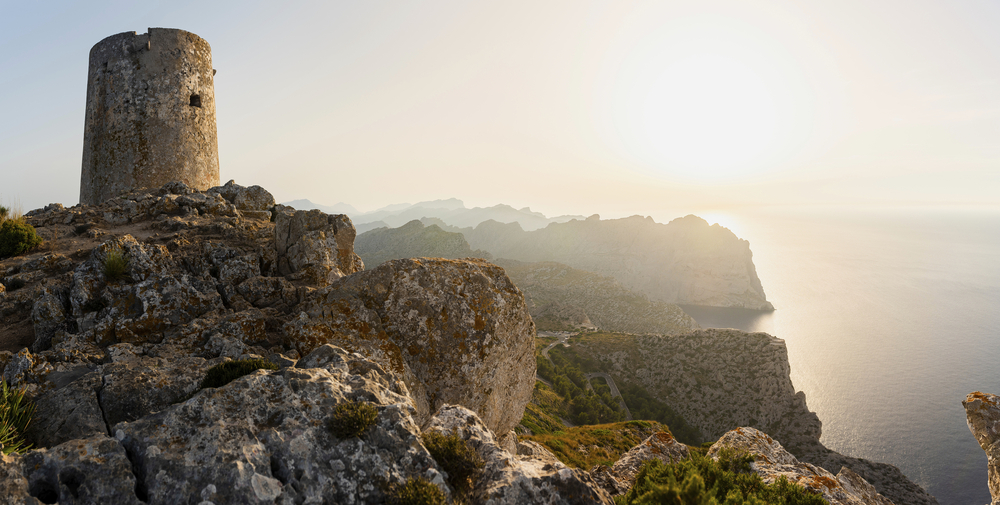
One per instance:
[(710, 114), (706, 110)]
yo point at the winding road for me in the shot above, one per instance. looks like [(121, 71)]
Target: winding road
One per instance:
[(564, 340), (614, 391)]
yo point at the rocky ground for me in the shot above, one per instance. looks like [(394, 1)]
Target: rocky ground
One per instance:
[(115, 362)]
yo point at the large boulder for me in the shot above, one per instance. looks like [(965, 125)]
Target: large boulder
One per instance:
[(534, 477), (314, 246), (457, 330), (266, 438), (982, 411), (772, 462)]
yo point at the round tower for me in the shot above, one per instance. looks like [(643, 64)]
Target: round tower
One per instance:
[(150, 114)]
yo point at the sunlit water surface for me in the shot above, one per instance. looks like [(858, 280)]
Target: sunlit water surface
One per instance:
[(890, 319)]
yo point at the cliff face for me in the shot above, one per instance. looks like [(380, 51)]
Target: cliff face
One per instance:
[(982, 411), (719, 380), (684, 262)]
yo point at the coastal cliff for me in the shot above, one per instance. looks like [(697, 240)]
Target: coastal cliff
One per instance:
[(684, 262), (982, 411), (722, 379)]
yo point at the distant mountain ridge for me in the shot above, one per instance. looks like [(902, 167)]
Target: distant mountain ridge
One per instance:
[(685, 261), (452, 211)]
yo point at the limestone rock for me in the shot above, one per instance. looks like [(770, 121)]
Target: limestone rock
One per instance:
[(264, 292), (83, 471), (265, 438), (772, 462), (71, 412), (461, 327), (134, 390), (513, 479), (19, 368), (254, 198), (982, 411), (48, 316), (315, 246), (621, 476)]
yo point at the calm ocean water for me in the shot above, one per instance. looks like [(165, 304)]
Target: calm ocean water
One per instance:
[(890, 318)]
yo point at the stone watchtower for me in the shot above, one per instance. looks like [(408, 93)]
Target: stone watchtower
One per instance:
[(150, 114)]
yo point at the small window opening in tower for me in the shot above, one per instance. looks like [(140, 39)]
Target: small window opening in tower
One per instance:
[(196, 100)]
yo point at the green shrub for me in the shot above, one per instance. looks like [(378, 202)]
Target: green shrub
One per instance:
[(224, 373), (415, 491), (351, 419), (456, 458), (703, 481), (15, 414), (115, 265), (17, 237)]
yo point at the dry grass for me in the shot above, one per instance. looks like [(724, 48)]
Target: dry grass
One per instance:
[(12, 212)]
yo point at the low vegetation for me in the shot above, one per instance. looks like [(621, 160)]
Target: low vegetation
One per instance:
[(456, 458), (704, 481), (603, 444), (581, 406), (224, 373), (352, 419), (115, 265), (415, 491), (16, 236), (16, 412)]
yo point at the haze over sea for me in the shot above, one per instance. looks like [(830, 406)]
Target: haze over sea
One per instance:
[(890, 319)]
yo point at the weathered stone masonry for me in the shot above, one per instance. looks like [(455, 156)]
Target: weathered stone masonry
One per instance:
[(150, 114)]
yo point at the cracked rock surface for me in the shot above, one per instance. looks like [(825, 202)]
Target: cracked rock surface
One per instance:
[(115, 363)]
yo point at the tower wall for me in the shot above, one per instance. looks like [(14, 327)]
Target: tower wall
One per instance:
[(150, 114)]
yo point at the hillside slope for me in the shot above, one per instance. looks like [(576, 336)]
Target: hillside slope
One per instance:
[(685, 261)]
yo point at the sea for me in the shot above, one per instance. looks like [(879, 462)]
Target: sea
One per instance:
[(891, 317)]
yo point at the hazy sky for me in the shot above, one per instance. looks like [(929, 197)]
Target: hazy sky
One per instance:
[(565, 106)]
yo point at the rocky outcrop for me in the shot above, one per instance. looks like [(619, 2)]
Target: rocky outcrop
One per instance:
[(982, 411), (771, 462), (315, 246), (620, 477), (532, 476), (118, 360), (458, 330)]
